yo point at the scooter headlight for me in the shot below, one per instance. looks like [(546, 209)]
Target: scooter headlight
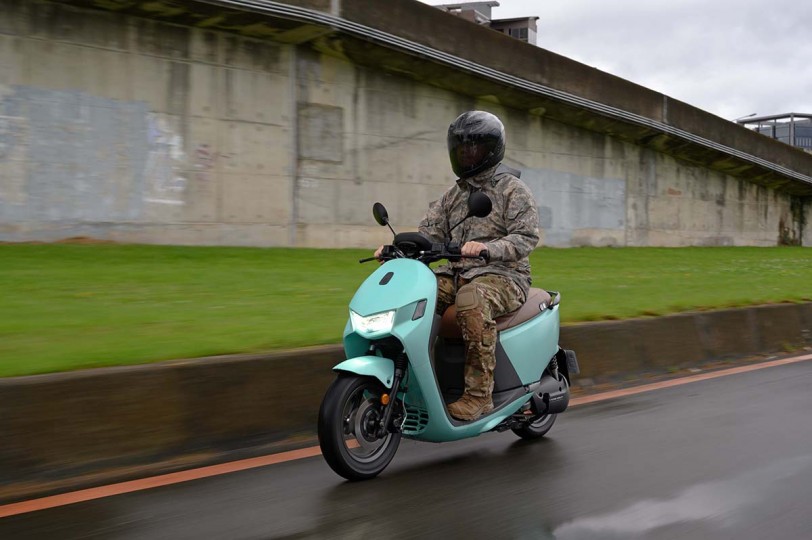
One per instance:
[(378, 323)]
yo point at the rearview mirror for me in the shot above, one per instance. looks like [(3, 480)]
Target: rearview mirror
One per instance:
[(380, 214), (479, 204)]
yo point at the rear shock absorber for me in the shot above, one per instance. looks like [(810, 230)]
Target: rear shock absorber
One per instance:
[(554, 367)]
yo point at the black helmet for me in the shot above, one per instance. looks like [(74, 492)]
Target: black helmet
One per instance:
[(476, 141)]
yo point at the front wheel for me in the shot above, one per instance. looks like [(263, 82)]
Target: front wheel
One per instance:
[(536, 428), (348, 425)]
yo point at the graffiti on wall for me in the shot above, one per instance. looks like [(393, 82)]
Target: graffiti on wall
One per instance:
[(203, 162), (168, 168), (165, 164)]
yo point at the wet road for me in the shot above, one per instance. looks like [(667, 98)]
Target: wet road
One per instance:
[(723, 458)]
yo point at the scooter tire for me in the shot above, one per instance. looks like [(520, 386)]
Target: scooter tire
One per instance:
[(537, 428), (353, 455)]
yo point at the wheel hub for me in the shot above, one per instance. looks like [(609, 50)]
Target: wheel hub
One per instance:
[(366, 426)]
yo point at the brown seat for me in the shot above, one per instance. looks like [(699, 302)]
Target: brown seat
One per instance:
[(537, 301)]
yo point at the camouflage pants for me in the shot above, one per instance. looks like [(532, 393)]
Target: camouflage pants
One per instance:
[(478, 302)]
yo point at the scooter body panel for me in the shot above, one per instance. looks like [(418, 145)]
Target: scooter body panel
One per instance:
[(435, 425), (394, 285), (382, 369), (531, 346), (401, 285)]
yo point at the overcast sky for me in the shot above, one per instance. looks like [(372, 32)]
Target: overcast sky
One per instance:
[(728, 57)]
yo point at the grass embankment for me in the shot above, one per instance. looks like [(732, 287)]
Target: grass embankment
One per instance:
[(75, 306)]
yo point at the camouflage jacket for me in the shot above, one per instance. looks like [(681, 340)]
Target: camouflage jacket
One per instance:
[(510, 232)]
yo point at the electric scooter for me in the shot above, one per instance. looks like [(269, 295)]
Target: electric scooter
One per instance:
[(405, 364)]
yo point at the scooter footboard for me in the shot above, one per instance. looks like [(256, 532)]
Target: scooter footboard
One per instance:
[(381, 368)]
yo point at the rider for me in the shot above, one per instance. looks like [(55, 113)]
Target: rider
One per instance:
[(481, 289)]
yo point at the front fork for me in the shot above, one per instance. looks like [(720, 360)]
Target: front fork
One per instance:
[(401, 363)]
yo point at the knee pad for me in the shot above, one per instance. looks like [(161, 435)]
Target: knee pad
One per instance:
[(468, 297)]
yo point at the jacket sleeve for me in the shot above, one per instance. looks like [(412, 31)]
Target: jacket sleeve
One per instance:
[(522, 224), (435, 223)]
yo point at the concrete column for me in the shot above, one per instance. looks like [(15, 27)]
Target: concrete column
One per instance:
[(294, 144)]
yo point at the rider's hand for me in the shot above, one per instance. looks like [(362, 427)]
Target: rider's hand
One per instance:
[(378, 253), (473, 248)]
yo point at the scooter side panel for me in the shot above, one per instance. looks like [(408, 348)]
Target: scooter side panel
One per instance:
[(382, 369), (530, 346)]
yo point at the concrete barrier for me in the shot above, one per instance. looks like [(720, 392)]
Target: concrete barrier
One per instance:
[(155, 418), (67, 430), (636, 346)]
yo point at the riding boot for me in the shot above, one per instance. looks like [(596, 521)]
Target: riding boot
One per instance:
[(479, 334)]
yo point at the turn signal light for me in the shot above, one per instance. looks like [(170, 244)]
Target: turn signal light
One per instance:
[(385, 399)]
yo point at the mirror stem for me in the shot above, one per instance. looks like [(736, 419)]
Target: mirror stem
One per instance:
[(459, 223)]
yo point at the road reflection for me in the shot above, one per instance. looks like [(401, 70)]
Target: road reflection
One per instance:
[(481, 494), (706, 507)]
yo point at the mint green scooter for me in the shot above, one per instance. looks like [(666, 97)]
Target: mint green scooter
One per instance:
[(405, 363)]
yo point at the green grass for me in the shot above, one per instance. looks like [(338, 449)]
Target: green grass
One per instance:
[(67, 306)]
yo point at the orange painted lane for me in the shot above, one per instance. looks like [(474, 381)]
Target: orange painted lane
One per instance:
[(273, 459), (153, 482)]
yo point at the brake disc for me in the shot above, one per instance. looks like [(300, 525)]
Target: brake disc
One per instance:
[(366, 426)]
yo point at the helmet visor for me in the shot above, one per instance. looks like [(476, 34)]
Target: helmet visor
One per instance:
[(467, 156)]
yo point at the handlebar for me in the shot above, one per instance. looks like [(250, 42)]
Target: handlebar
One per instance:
[(430, 254)]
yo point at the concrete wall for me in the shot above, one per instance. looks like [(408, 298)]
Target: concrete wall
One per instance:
[(594, 190), (135, 130), (125, 128)]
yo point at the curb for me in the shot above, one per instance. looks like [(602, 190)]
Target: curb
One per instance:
[(69, 430)]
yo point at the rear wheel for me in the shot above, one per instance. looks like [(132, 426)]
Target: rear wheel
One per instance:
[(537, 428), (348, 422)]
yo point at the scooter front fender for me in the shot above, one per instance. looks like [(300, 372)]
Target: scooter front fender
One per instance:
[(382, 369)]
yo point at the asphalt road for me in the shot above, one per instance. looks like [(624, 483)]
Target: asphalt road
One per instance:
[(724, 458)]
